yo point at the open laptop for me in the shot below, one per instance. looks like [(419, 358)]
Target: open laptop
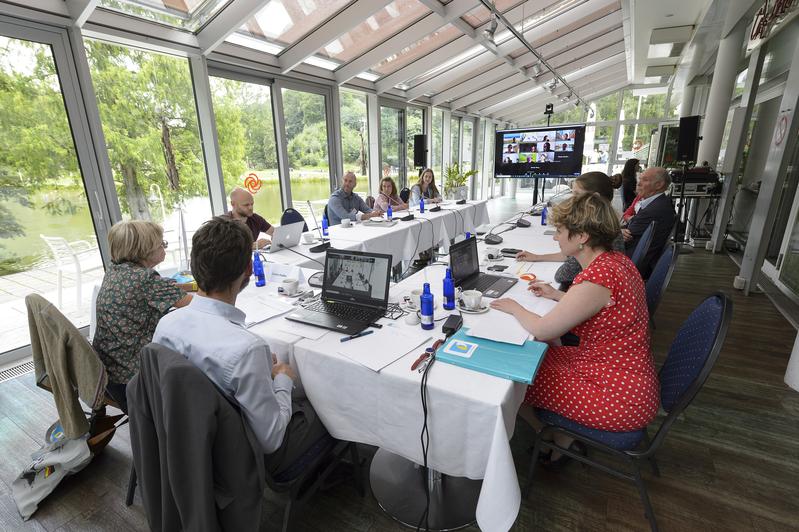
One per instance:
[(465, 266), (354, 292), (286, 236)]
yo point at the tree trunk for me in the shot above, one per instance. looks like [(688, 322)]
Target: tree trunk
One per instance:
[(169, 156), (137, 201)]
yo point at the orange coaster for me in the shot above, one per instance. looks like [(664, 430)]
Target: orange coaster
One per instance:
[(528, 277)]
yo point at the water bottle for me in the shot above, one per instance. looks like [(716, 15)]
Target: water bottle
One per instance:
[(449, 291), (426, 307), (324, 226), (468, 235), (389, 214), (544, 216), (258, 270), (421, 204)]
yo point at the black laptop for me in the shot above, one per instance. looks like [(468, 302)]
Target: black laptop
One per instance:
[(465, 266), (354, 292)]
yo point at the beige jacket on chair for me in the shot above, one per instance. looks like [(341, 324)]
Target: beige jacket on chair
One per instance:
[(65, 363)]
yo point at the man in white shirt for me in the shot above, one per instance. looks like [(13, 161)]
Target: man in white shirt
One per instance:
[(210, 332)]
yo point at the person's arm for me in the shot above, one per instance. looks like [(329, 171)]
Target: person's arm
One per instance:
[(527, 256), (382, 202), (337, 212), (416, 195), (265, 401), (184, 301), (576, 306), (163, 294)]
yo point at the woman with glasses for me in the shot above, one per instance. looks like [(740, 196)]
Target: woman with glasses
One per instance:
[(131, 300)]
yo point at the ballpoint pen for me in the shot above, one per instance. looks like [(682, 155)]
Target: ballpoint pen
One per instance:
[(356, 335)]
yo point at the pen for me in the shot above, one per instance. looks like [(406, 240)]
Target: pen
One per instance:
[(356, 335)]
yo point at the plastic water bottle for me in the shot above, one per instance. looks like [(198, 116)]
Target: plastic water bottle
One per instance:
[(324, 226), (449, 291), (544, 216), (421, 204), (426, 306), (389, 214), (258, 270), (468, 235)]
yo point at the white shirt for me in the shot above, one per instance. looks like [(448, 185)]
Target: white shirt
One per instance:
[(211, 334), (644, 202)]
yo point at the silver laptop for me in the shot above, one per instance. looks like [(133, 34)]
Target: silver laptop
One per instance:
[(286, 236)]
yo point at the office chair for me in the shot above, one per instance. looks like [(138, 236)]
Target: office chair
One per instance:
[(291, 216), (405, 194), (691, 357)]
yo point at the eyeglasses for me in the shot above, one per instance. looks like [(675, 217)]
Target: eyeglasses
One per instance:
[(164, 244)]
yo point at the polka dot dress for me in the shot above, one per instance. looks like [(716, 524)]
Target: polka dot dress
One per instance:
[(608, 382)]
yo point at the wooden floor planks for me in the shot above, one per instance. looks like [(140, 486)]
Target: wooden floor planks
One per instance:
[(732, 463)]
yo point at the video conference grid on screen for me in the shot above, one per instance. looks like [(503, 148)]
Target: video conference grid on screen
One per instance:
[(360, 277), (552, 151)]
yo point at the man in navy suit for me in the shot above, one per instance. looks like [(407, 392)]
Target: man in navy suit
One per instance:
[(653, 205)]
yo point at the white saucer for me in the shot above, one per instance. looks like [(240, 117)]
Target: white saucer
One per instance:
[(498, 259), (484, 307)]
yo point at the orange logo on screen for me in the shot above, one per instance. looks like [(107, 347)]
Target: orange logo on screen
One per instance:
[(252, 183)]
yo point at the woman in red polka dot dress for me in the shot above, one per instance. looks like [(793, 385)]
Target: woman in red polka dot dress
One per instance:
[(608, 382)]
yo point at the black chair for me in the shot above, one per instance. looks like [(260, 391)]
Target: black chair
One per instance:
[(292, 216), (405, 194), (659, 279), (641, 249), (691, 357), (370, 202)]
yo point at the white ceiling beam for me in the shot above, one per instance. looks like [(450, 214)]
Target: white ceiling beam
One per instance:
[(340, 24), (227, 22), (599, 92), (140, 32), (79, 10), (405, 38), (594, 29)]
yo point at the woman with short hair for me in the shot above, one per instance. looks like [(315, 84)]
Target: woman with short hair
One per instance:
[(131, 300), (608, 381), (388, 196), (425, 188)]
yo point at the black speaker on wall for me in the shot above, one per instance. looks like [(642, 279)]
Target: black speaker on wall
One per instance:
[(420, 151), (688, 141)]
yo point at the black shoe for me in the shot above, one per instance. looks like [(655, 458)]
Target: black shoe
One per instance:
[(560, 462)]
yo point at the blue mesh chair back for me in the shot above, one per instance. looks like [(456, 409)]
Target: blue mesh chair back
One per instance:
[(693, 353), (291, 216), (639, 254), (405, 194), (659, 278)]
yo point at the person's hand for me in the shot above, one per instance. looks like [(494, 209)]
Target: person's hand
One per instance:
[(542, 289), (626, 234), (374, 214), (261, 243), (285, 369), (506, 305), (526, 256)]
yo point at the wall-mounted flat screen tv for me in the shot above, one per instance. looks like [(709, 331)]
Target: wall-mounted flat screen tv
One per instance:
[(554, 151)]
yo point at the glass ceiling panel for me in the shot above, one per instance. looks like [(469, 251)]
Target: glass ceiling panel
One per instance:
[(480, 15), (384, 24), (409, 54), (186, 14), (284, 22)]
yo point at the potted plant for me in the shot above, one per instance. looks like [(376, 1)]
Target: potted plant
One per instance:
[(455, 182)]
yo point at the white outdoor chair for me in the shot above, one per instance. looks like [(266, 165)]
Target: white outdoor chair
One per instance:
[(93, 312), (78, 256)]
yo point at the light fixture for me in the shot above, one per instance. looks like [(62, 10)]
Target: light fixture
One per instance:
[(536, 70), (489, 32)]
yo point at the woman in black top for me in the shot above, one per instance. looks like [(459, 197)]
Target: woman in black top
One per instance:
[(629, 182)]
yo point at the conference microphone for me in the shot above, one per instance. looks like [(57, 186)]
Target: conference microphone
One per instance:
[(560, 197), (281, 246), (491, 239)]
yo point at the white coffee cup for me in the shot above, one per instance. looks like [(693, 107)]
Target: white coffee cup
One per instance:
[(288, 287), (472, 299), (416, 298), (493, 253), (308, 238), (346, 222)]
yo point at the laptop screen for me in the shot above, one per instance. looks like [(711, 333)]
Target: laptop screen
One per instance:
[(357, 277), (463, 260)]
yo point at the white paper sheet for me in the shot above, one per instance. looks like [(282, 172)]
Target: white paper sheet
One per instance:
[(260, 306), (500, 327), (384, 346), (300, 329)]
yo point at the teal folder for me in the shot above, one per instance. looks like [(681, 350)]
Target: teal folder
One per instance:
[(513, 362)]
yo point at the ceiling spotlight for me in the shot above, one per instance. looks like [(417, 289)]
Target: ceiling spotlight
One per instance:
[(564, 99), (489, 32), (536, 70)]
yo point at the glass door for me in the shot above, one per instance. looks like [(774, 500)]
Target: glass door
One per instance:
[(48, 240), (788, 261)]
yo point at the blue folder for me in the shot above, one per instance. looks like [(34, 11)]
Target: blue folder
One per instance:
[(513, 362)]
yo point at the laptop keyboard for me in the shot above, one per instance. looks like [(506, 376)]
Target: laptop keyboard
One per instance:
[(483, 282), (343, 311)]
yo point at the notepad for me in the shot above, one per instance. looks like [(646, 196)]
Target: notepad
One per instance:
[(385, 346), (260, 305), (512, 362)]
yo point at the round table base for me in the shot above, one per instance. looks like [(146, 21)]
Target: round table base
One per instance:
[(398, 486)]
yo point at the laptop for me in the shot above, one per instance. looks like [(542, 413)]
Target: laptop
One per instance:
[(354, 292), (465, 266), (286, 236)]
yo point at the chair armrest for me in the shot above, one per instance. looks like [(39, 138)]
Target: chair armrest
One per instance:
[(79, 246)]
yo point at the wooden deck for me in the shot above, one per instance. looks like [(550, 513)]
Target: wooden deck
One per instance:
[(732, 463)]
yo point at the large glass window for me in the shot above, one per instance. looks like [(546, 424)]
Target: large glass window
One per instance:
[(605, 108), (186, 14), (414, 126), (306, 139), (391, 128), (47, 239), (596, 151), (455, 139), (642, 104), (149, 119), (247, 147), (354, 134), (573, 115), (437, 156), (634, 141), (468, 145)]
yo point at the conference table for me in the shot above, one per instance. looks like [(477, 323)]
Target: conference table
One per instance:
[(471, 415), (403, 240)]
